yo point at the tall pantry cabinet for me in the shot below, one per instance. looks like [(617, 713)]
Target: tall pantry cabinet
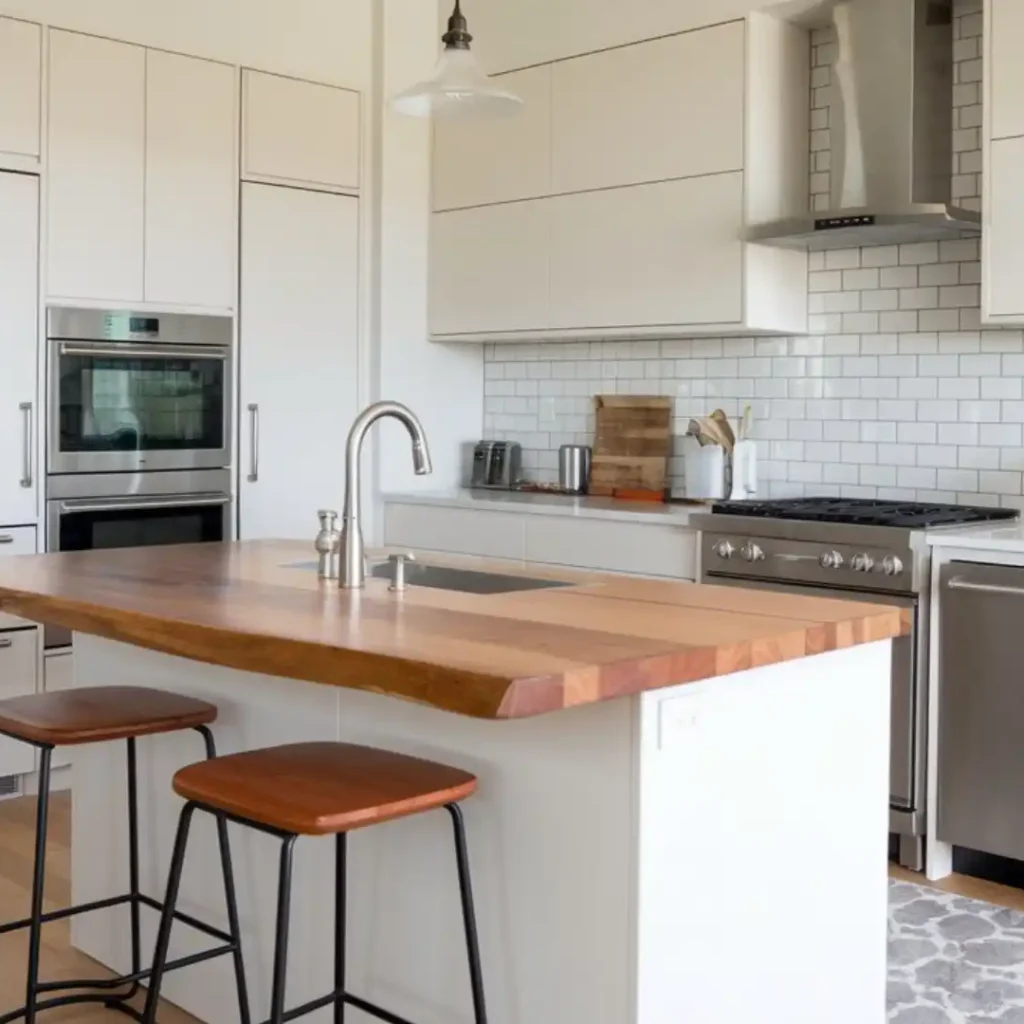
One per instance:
[(299, 322)]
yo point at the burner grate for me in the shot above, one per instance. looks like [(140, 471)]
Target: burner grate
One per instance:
[(864, 512)]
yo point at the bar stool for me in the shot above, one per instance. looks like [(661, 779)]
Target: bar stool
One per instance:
[(93, 715), (318, 789)]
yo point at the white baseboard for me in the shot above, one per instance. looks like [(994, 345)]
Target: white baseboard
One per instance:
[(60, 780)]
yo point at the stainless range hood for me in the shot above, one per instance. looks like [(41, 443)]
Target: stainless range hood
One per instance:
[(891, 122)]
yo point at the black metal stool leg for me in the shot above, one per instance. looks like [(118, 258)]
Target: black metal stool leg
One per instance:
[(340, 885), (284, 906), (38, 882), (476, 977), (163, 938), (234, 927)]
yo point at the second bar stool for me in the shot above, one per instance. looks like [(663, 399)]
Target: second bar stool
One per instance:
[(318, 789)]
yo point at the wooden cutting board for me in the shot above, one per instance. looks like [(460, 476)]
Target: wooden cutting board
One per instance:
[(632, 444)]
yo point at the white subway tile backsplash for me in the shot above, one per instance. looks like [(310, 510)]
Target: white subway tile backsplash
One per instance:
[(917, 433), (920, 252), (979, 458)]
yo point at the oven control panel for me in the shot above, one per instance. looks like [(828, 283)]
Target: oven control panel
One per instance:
[(813, 563)]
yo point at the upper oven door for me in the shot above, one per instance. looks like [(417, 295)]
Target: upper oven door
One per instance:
[(121, 407)]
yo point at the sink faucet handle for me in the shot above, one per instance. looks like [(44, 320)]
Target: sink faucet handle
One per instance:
[(399, 561)]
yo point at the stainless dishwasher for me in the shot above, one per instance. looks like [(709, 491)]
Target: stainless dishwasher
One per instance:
[(981, 708)]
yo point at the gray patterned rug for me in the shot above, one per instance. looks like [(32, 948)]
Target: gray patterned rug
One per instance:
[(953, 960)]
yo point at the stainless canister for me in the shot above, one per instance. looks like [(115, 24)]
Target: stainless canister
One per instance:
[(574, 468)]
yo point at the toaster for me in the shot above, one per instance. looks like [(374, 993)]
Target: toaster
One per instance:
[(497, 465)]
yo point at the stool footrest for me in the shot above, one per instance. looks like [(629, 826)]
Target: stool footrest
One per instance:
[(351, 1000)]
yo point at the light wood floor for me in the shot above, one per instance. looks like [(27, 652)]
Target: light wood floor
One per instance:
[(59, 960)]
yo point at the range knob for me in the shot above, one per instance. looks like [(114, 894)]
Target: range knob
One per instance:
[(892, 566), (752, 552), (863, 563), (832, 560), (724, 549)]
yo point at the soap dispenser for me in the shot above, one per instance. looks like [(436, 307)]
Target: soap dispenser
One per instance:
[(328, 545)]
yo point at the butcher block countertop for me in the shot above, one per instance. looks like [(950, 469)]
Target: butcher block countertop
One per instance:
[(246, 606)]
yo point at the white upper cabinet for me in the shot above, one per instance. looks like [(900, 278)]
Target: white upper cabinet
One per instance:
[(668, 108), (20, 88), (299, 132), (497, 160), (489, 269), (655, 158), (1004, 32), (1004, 230), (19, 300), (665, 253), (191, 182), (96, 168)]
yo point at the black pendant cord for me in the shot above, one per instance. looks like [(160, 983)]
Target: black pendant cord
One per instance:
[(457, 37)]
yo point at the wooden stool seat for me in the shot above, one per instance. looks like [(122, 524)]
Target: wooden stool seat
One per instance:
[(322, 788), (91, 715)]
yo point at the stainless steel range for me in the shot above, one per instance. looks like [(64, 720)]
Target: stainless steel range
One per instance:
[(874, 551)]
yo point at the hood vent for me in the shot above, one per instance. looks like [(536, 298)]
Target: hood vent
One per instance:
[(891, 124)]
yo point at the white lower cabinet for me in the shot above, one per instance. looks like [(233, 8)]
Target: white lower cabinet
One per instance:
[(16, 540), (299, 356), (19, 668), (636, 549)]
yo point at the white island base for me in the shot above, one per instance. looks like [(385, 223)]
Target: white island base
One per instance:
[(713, 853)]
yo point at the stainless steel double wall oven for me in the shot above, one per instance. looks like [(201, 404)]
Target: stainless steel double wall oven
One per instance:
[(139, 427)]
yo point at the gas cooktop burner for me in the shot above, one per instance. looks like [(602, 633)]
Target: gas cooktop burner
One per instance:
[(864, 512)]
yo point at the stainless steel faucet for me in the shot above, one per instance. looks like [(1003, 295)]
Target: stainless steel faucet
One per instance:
[(353, 564)]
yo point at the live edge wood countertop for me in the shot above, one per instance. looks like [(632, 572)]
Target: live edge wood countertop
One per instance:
[(501, 656)]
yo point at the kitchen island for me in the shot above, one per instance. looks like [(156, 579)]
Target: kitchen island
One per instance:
[(682, 812)]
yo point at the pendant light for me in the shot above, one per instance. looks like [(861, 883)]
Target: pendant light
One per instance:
[(459, 87)]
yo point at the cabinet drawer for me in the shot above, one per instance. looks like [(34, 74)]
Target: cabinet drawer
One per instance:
[(456, 530), (19, 660), (16, 540), (613, 547)]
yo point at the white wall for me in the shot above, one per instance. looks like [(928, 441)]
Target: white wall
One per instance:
[(325, 40), (443, 384)]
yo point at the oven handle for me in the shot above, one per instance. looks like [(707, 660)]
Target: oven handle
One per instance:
[(139, 352), (129, 505), (254, 443), (961, 583)]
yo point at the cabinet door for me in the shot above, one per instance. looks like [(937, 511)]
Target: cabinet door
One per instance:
[(1005, 31), (17, 540), (19, 660), (299, 355), (670, 253), (489, 269), (58, 677), (480, 161), (669, 108), (20, 87), (96, 166), (191, 182), (19, 330), (1004, 228), (299, 131)]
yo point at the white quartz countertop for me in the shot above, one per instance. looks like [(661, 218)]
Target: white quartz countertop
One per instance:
[(1006, 536), (554, 505)]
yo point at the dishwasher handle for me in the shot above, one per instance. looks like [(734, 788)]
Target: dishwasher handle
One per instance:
[(962, 583)]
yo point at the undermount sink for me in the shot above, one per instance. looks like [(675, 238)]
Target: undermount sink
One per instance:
[(467, 581)]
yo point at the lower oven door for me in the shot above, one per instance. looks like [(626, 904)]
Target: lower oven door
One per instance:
[(909, 695), (82, 524)]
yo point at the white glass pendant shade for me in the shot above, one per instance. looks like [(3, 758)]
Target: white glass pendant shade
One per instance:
[(459, 88)]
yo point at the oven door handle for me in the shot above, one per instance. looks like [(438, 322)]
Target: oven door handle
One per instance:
[(141, 352), (122, 505), (962, 583)]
